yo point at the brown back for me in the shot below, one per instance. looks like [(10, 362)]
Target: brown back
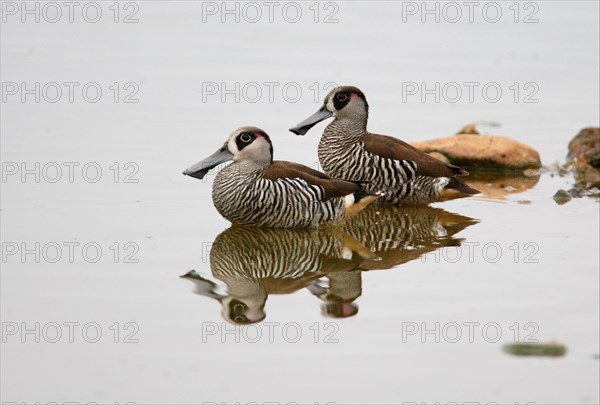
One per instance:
[(333, 187), (393, 148)]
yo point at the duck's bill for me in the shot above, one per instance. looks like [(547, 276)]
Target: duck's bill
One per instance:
[(200, 169), (303, 127)]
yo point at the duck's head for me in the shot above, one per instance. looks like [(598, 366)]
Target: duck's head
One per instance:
[(344, 102), (245, 144)]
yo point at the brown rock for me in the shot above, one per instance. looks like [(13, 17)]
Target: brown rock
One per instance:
[(586, 174), (584, 144), (584, 156), (562, 197), (483, 151)]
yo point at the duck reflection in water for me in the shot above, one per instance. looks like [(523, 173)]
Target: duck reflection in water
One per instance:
[(255, 262)]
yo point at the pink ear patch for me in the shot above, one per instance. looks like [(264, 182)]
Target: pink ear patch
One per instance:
[(258, 135), (353, 95)]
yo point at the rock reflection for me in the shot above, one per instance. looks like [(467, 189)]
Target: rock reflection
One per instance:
[(499, 185), (256, 262)]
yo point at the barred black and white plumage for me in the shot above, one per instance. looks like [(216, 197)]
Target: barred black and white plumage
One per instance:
[(255, 190), (347, 150), (399, 180), (242, 195), (256, 254), (255, 262), (398, 234)]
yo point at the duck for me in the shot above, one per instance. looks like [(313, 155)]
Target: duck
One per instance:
[(404, 174), (256, 190)]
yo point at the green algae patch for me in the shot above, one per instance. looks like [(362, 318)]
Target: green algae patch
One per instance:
[(536, 349)]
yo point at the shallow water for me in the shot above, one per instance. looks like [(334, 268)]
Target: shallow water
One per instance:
[(455, 282)]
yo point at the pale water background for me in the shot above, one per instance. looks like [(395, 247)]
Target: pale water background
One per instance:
[(169, 53)]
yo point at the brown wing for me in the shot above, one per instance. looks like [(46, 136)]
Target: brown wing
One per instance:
[(393, 148), (333, 187)]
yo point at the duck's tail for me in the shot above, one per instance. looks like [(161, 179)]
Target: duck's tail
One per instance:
[(458, 185)]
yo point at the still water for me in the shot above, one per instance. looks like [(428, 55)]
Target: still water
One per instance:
[(395, 305), (254, 263)]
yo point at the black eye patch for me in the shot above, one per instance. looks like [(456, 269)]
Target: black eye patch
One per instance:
[(237, 311), (244, 139), (247, 138), (340, 100)]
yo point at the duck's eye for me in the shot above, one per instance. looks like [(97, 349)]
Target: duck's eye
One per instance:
[(341, 97), (245, 137)]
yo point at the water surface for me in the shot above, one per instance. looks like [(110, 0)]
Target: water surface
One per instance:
[(361, 313)]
